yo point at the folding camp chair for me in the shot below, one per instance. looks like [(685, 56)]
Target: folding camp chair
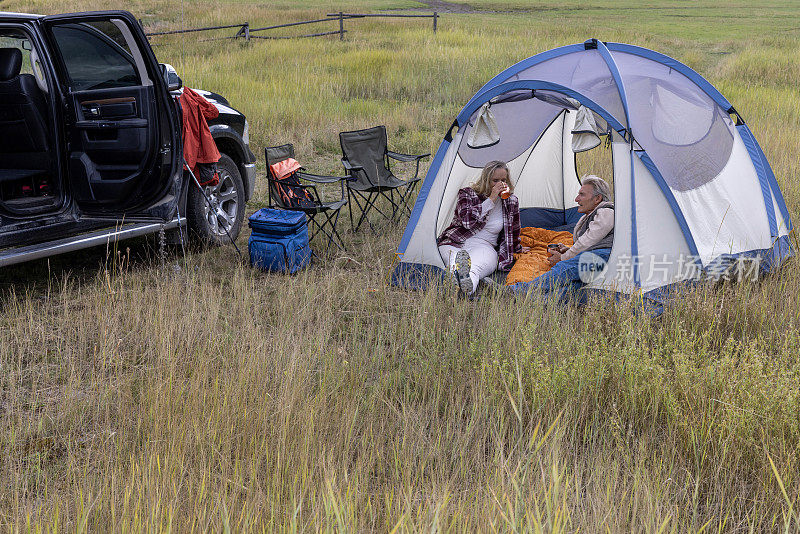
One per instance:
[(366, 159), (315, 205)]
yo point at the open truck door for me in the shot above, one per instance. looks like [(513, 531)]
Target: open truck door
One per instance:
[(121, 128)]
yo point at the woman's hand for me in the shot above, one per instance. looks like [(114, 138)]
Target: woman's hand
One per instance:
[(562, 248), (498, 188), (554, 258)]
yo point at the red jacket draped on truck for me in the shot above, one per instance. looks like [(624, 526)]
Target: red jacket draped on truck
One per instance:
[(198, 145)]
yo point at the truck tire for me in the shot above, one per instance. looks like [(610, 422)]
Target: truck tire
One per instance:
[(226, 212)]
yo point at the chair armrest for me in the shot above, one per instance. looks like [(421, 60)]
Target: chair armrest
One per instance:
[(405, 157), (349, 167), (320, 179)]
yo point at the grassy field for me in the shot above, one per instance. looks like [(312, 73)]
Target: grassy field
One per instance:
[(201, 395)]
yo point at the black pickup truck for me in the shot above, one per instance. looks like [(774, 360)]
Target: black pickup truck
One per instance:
[(90, 140)]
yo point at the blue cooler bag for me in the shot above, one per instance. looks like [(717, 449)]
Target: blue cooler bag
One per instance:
[(279, 241)]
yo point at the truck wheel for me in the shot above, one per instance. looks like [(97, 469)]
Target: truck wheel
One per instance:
[(226, 212)]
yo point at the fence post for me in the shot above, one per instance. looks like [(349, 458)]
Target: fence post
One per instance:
[(246, 28), (435, 16), (341, 26)]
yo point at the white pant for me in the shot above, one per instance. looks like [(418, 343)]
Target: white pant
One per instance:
[(482, 254)]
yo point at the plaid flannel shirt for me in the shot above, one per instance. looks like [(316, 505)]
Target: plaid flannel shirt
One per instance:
[(467, 221)]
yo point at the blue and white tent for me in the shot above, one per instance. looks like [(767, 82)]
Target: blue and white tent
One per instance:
[(693, 190)]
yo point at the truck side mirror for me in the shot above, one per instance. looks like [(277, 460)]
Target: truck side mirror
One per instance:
[(171, 77)]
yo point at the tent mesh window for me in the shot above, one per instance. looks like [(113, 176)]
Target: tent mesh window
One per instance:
[(688, 136)]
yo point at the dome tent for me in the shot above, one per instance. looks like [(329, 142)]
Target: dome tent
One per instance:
[(693, 191)]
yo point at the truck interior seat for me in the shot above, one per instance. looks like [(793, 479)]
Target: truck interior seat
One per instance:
[(24, 146)]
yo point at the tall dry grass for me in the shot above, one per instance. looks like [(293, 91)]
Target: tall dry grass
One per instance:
[(134, 396), (143, 398)]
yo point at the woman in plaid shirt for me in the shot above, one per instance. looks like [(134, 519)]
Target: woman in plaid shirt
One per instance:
[(484, 234)]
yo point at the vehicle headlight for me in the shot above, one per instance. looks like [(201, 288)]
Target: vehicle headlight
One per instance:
[(246, 133)]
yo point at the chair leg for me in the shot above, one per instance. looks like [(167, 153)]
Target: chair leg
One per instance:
[(313, 226), (407, 196), (350, 209), (320, 228), (369, 204), (330, 220), (358, 197), (356, 203), (410, 193), (341, 244), (390, 198), (397, 206), (373, 203)]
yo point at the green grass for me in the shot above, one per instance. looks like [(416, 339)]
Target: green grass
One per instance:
[(218, 398)]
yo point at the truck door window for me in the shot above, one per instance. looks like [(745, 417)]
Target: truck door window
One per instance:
[(15, 39), (98, 55)]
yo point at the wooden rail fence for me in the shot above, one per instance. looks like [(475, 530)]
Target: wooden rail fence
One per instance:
[(246, 32)]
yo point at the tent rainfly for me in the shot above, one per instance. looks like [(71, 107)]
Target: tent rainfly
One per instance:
[(694, 193)]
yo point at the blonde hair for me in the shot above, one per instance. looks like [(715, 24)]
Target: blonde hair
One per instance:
[(484, 185)]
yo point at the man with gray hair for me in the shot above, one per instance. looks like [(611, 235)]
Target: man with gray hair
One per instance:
[(595, 230), (594, 234)]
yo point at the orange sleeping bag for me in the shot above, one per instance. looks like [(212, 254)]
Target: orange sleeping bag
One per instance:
[(533, 263)]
